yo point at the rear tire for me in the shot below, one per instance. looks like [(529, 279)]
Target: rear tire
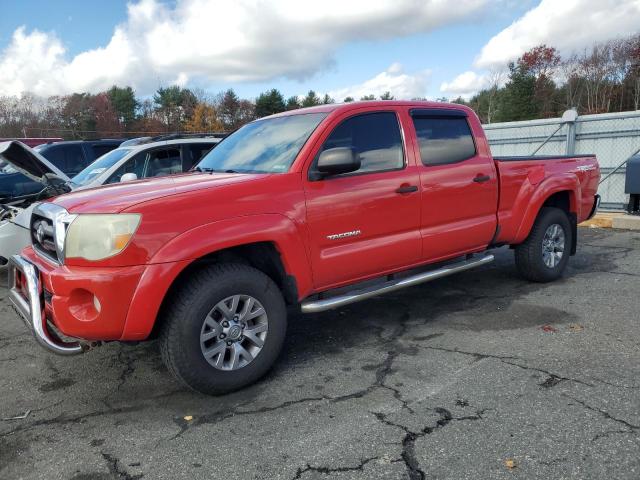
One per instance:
[(543, 256), (223, 329)]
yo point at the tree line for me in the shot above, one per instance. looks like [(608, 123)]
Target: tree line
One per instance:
[(542, 84), (539, 84)]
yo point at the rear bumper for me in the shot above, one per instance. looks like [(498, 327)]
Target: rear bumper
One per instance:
[(596, 205)]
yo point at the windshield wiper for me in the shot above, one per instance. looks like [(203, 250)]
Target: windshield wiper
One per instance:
[(215, 170)]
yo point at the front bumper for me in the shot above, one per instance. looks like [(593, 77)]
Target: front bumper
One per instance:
[(25, 292), (84, 304)]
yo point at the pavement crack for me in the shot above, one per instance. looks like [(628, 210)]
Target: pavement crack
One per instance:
[(128, 361), (408, 455), (330, 470), (630, 428), (116, 469), (64, 419), (476, 355)]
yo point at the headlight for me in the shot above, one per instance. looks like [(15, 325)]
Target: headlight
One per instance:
[(95, 237)]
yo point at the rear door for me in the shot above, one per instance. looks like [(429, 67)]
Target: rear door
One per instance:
[(361, 223), (459, 185)]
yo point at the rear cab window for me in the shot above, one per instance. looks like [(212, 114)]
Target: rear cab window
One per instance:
[(443, 138)]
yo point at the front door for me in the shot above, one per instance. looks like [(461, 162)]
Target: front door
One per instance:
[(366, 222)]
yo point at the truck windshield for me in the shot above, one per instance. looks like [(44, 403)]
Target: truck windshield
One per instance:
[(263, 146), (100, 165)]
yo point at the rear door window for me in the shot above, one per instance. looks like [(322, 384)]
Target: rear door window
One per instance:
[(444, 140), (163, 162), (133, 165), (194, 152)]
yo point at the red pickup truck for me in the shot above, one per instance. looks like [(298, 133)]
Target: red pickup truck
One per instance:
[(314, 208)]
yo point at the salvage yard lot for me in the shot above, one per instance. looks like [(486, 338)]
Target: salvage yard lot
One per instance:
[(461, 378)]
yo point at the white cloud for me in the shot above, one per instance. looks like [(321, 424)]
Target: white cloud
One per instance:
[(401, 85), (567, 25), (465, 85), (217, 40)]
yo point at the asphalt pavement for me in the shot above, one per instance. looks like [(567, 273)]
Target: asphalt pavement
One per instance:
[(479, 375)]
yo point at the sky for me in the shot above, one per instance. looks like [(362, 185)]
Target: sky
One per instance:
[(412, 48)]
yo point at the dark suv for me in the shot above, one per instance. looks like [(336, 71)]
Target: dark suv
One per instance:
[(70, 157)]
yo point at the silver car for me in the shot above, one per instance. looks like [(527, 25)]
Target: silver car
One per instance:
[(134, 159)]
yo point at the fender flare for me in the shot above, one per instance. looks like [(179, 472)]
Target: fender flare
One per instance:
[(183, 250), (558, 183)]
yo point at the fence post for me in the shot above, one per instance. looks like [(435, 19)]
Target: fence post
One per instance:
[(569, 117)]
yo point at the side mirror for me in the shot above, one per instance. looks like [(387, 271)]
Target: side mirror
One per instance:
[(128, 177), (335, 161)]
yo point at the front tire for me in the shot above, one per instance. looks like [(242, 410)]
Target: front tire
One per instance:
[(223, 329), (543, 256)]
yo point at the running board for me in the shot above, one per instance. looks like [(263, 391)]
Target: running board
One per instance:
[(320, 305)]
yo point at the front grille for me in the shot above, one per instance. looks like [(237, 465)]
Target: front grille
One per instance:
[(42, 236)]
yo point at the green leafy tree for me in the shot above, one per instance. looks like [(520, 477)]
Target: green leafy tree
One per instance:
[(270, 102), (293, 103), (327, 99), (387, 96), (234, 111), (368, 97), (124, 103), (348, 99), (311, 99), (518, 98), (175, 104)]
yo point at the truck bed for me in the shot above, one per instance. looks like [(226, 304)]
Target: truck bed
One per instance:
[(522, 158)]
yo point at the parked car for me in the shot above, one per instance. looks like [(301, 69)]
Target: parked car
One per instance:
[(313, 208), (141, 158), (69, 157), (33, 141)]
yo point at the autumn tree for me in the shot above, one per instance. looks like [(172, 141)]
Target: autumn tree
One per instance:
[(204, 119), (106, 118), (78, 115)]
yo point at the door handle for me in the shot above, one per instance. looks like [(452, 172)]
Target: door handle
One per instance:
[(482, 178), (407, 189)]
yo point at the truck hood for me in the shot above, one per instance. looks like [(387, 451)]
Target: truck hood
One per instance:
[(120, 196), (29, 162)]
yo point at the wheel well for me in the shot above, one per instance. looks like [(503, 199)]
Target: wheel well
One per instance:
[(263, 256), (562, 200)]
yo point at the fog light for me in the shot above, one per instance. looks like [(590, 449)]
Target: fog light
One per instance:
[(84, 305)]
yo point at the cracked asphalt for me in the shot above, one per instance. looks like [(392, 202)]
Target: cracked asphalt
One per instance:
[(461, 378)]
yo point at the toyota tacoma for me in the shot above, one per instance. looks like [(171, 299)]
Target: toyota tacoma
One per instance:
[(309, 209)]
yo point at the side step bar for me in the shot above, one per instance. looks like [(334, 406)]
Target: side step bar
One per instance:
[(320, 305)]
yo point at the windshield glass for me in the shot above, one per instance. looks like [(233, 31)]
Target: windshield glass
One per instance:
[(100, 165), (263, 146)]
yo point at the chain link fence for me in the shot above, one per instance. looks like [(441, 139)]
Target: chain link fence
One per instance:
[(612, 137)]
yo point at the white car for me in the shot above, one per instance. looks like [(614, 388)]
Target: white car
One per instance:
[(134, 159)]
